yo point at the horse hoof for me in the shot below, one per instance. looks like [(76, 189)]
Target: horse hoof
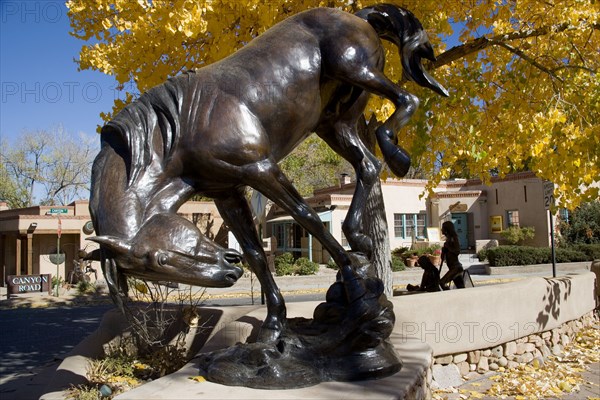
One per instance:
[(268, 335), (271, 330)]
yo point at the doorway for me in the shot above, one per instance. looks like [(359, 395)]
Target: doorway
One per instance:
[(460, 224)]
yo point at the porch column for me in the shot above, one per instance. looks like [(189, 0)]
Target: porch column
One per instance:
[(18, 255), (435, 212), (29, 254)]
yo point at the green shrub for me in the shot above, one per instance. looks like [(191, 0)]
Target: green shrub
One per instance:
[(83, 392), (84, 287), (303, 266), (503, 256), (482, 254), (120, 364), (57, 281), (515, 235), (583, 225), (431, 249), (331, 264), (284, 264), (397, 264), (422, 251), (569, 255), (399, 251), (591, 250)]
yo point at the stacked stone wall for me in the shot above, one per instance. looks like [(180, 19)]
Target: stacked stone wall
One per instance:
[(517, 352)]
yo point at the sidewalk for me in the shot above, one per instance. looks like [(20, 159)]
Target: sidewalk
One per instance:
[(481, 274)]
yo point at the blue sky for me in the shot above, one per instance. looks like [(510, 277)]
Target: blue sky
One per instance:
[(40, 85)]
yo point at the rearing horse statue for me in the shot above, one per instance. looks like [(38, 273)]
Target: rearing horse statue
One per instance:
[(212, 132)]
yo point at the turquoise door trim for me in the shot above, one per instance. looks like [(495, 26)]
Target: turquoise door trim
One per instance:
[(460, 224)]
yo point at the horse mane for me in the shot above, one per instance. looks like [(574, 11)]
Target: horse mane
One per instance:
[(394, 22), (136, 125), (400, 26)]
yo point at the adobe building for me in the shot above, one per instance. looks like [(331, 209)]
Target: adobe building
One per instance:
[(479, 212), (29, 236)]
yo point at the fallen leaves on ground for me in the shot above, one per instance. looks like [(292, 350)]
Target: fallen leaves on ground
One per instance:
[(197, 378), (556, 377)]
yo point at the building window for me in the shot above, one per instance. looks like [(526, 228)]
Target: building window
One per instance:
[(279, 233), (512, 218), (288, 236), (398, 225), (409, 225), (344, 240)]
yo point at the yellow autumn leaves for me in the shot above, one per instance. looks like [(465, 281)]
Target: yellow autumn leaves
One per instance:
[(528, 99), (557, 376), (553, 378)]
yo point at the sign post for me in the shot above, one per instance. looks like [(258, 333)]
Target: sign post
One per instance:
[(548, 205), (58, 212)]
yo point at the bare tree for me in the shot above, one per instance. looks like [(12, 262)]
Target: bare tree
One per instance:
[(68, 173), (47, 167)]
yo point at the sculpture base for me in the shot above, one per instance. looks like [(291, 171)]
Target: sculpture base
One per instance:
[(347, 340), (289, 364)]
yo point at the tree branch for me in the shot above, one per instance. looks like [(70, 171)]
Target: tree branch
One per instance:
[(529, 60), (481, 43)]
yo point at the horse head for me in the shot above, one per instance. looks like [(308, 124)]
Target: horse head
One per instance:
[(399, 26), (168, 247)]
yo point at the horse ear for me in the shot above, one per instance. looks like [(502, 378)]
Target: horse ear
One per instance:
[(114, 244), (380, 23)]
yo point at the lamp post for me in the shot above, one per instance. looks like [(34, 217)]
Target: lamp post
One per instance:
[(59, 232), (57, 211), (549, 205)]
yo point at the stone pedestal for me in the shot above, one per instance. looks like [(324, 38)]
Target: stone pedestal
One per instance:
[(412, 382)]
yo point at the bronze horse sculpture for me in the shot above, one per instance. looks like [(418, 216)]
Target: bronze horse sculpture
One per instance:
[(211, 132)]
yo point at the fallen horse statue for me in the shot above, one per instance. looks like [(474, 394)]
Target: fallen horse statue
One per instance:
[(208, 132)]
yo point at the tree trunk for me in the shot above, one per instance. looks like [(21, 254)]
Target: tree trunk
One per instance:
[(375, 225), (374, 220)]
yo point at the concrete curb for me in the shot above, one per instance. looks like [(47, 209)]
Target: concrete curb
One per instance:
[(528, 269)]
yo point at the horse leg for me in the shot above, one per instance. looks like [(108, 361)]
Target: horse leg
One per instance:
[(344, 140), (374, 81), (267, 178), (237, 215), (406, 104)]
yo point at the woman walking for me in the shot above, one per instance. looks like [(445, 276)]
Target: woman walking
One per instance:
[(450, 253)]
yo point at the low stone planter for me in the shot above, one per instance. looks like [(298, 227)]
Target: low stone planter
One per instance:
[(517, 352)]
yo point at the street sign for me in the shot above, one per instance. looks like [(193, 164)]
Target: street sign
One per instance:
[(59, 210), (548, 194)]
